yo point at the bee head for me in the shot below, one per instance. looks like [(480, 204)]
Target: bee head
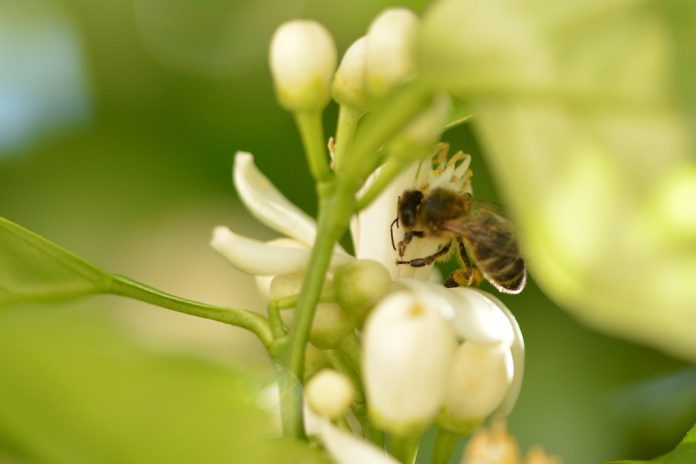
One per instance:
[(407, 209)]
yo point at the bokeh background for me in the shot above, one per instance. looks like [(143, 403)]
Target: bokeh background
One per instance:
[(118, 123)]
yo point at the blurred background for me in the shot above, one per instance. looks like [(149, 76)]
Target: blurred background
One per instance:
[(118, 123)]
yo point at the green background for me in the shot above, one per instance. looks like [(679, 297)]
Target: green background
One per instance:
[(135, 180)]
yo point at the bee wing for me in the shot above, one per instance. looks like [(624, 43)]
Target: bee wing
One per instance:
[(490, 241)]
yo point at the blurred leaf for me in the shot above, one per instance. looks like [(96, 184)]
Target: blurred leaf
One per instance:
[(656, 410), (74, 390), (577, 110), (460, 113), (34, 269), (684, 453), (681, 16)]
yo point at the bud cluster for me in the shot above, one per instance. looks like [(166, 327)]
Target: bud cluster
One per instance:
[(420, 366), (303, 62)]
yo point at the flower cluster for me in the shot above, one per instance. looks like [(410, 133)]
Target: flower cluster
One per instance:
[(389, 346), (428, 354)]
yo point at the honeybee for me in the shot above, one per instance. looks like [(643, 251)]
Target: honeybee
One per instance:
[(484, 237)]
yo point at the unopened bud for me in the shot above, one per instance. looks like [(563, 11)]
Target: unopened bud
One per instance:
[(330, 393), (358, 286), (286, 285), (303, 61), (390, 58), (315, 361), (479, 378), (330, 324), (407, 352), (348, 86)]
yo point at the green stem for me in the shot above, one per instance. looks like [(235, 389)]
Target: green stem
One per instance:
[(387, 119), (275, 320), (334, 213), (336, 204), (388, 173), (124, 286), (404, 448), (444, 445), (290, 391), (311, 130), (348, 118), (342, 364), (368, 430), (349, 346)]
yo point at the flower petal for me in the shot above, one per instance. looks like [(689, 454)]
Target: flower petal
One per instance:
[(268, 205), (407, 352), (348, 449), (478, 382), (474, 316), (517, 350), (265, 258), (371, 229)]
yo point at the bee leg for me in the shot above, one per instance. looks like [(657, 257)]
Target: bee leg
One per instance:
[(408, 236), (465, 276), (420, 262), (460, 277)]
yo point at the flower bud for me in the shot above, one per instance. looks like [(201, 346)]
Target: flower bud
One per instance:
[(479, 378), (286, 285), (303, 61), (407, 353), (358, 286), (420, 136), (390, 55), (315, 361), (348, 86), (330, 393), (331, 322)]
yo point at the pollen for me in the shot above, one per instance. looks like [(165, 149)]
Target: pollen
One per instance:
[(416, 310)]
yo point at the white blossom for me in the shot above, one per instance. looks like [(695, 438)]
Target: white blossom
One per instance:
[(282, 256), (407, 352)]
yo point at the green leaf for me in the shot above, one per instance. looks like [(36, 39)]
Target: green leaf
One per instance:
[(681, 17), (684, 453), (76, 388), (460, 113), (34, 269), (580, 111)]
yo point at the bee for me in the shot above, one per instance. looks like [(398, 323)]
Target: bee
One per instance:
[(482, 235)]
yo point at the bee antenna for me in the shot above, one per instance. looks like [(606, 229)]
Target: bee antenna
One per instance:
[(391, 231)]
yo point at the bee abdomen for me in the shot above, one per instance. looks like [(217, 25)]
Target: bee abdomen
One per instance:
[(500, 263)]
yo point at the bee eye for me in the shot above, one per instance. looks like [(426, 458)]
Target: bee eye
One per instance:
[(407, 217)]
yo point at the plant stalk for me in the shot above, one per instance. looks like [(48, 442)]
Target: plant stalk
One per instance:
[(256, 323)]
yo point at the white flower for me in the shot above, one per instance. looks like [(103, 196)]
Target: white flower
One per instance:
[(277, 257), (407, 353), (407, 375), (492, 348), (371, 227), (344, 447), (402, 349), (303, 61)]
